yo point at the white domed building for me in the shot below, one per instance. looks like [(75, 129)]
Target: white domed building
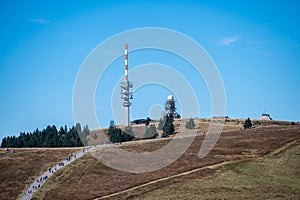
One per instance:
[(170, 107)]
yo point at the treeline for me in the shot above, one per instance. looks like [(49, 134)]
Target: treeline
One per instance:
[(116, 135), (49, 137)]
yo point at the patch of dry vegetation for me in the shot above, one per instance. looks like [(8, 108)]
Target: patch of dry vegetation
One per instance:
[(265, 178), (87, 178), (19, 170)]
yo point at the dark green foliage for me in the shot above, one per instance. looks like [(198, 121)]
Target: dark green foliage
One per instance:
[(164, 135), (116, 135), (293, 123), (147, 121), (247, 123), (128, 134), (112, 123), (82, 133), (4, 142), (190, 124), (49, 137), (151, 132), (160, 124), (95, 136), (168, 127), (256, 123)]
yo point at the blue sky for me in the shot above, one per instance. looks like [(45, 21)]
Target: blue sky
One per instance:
[(255, 45)]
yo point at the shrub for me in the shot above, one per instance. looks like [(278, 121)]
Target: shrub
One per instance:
[(151, 132), (190, 124), (247, 123)]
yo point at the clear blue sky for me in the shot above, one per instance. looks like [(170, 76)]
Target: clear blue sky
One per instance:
[(255, 44)]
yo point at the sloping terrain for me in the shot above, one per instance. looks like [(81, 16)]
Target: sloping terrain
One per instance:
[(20, 169), (88, 178), (270, 177)]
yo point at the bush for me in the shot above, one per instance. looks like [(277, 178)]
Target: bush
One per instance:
[(168, 127), (190, 124), (128, 134), (256, 123), (247, 123), (115, 135), (160, 124), (151, 132)]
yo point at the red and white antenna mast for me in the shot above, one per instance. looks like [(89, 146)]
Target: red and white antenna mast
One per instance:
[(126, 61), (125, 90)]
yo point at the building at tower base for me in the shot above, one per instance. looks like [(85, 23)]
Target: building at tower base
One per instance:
[(265, 116)]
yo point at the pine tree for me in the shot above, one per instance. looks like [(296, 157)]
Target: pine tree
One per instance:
[(128, 134), (160, 124), (168, 127), (115, 135), (151, 132), (247, 123), (190, 124), (4, 143)]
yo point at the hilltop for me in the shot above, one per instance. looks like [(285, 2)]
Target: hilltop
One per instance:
[(87, 178)]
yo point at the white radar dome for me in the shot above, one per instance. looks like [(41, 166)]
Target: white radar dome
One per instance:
[(170, 97)]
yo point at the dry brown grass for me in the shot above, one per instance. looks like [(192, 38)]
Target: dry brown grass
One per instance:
[(264, 178), (87, 178), (19, 170)]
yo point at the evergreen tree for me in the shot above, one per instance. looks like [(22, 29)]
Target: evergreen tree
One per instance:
[(151, 132), (4, 143), (95, 136), (247, 123), (190, 124), (48, 137), (115, 135), (128, 134), (84, 134), (81, 133), (168, 127), (78, 128), (160, 124)]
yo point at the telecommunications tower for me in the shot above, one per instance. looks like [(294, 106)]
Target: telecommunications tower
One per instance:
[(126, 94)]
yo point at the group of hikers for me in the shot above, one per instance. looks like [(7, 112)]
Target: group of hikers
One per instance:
[(51, 170), (71, 156), (35, 187)]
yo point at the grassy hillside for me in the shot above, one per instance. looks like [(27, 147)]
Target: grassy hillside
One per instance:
[(265, 178), (87, 178), (19, 170)]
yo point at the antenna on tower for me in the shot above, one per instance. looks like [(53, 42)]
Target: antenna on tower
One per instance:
[(125, 90)]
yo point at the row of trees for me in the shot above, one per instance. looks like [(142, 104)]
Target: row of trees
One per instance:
[(49, 137), (116, 135)]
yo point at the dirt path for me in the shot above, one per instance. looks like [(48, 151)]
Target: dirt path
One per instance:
[(37, 184), (215, 166), (281, 149)]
